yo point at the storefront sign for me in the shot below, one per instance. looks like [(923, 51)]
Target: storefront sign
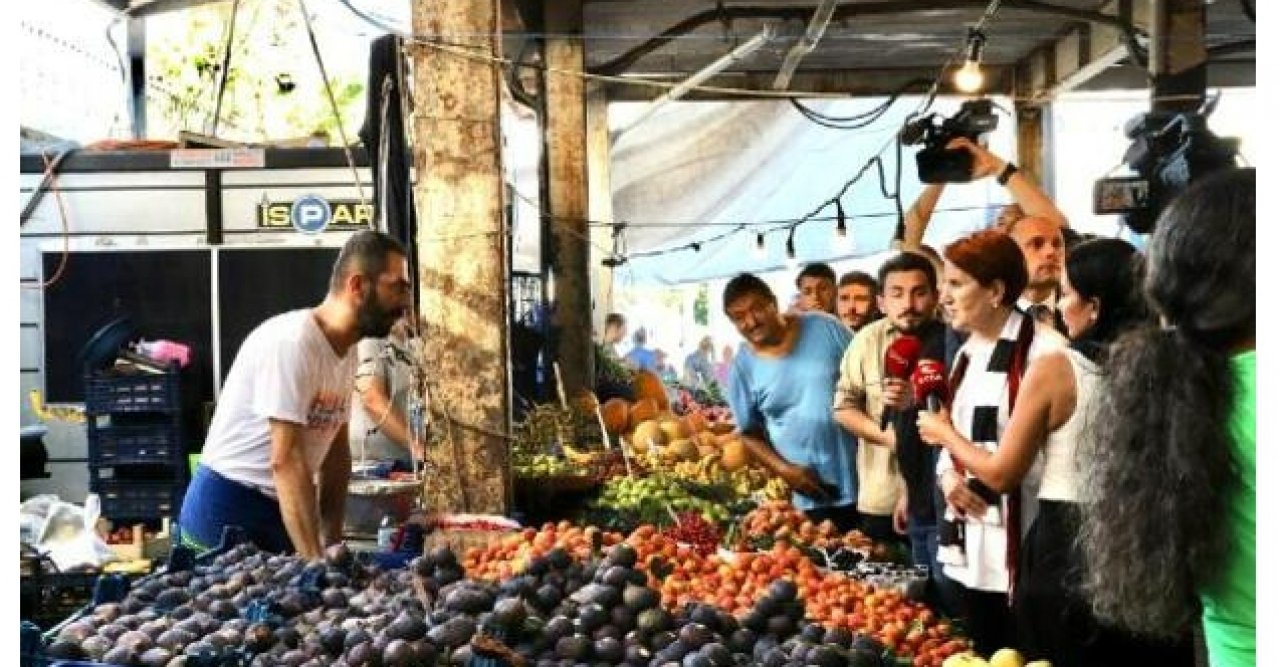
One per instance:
[(218, 158), (312, 214)]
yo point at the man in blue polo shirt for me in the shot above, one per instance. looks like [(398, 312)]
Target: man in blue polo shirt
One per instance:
[(781, 387)]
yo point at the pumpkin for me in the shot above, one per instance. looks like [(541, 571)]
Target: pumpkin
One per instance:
[(675, 429), (649, 385), (681, 450), (641, 411), (706, 452), (734, 455), (647, 434), (616, 413), (707, 439)]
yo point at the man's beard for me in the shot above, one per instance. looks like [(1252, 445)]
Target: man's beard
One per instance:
[(920, 321), (373, 321)]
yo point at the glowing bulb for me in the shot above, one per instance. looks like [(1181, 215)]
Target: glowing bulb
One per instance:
[(968, 79)]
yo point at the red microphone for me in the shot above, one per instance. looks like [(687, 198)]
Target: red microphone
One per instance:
[(899, 362), (929, 383)]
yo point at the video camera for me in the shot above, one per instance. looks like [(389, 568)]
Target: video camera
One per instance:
[(935, 163), (1167, 152)]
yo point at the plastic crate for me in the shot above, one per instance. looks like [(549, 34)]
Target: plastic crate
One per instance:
[(135, 444), (106, 394), (114, 589), (135, 499), (48, 597)]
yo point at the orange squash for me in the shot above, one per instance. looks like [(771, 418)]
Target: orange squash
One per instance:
[(616, 413), (642, 410), (734, 455), (649, 385)]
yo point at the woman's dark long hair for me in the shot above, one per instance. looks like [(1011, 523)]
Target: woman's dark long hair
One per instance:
[(1159, 468), (1111, 271)]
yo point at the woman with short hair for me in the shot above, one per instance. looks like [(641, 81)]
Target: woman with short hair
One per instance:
[(978, 539)]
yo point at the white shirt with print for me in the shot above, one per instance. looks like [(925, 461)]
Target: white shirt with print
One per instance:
[(286, 370)]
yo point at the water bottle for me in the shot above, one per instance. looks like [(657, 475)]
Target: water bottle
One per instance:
[(386, 532)]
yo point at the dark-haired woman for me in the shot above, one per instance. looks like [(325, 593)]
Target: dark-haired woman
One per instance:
[(978, 540), (1169, 511), (1101, 298)]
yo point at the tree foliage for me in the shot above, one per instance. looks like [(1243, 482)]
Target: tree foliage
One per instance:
[(274, 89)]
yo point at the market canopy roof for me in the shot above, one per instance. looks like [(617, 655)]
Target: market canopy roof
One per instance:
[(715, 174)]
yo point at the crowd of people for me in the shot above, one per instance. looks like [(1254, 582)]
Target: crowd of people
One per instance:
[(1076, 470), (1071, 455)]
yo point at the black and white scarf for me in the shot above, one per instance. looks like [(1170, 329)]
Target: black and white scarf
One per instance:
[(1002, 376)]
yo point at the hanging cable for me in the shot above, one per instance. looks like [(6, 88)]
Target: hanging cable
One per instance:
[(50, 170), (333, 101), (224, 73)]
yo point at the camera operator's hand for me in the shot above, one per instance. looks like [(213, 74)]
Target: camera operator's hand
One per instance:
[(985, 163)]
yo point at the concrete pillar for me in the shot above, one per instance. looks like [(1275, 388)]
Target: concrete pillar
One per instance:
[(463, 255)]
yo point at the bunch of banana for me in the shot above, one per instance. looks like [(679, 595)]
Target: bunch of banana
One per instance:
[(776, 489), (542, 465)]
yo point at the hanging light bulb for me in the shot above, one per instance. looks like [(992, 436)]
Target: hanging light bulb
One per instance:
[(760, 251), (842, 228), (968, 78), (791, 249)]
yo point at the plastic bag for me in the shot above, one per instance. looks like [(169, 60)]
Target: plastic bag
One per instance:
[(66, 533)]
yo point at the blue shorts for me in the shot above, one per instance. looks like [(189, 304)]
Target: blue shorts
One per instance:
[(213, 502)]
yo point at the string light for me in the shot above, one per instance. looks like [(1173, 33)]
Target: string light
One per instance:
[(791, 249), (842, 228), (760, 251), (969, 77)]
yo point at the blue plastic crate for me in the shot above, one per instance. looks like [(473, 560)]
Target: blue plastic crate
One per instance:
[(106, 394), (135, 444), (136, 499)]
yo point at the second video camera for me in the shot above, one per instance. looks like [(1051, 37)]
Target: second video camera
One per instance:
[(936, 163)]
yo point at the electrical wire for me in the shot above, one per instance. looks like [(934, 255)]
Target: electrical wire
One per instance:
[(333, 101), (224, 74), (50, 175)]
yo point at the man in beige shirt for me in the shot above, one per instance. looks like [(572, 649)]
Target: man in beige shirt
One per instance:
[(908, 298)]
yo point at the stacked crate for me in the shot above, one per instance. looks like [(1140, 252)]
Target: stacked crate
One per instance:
[(137, 455)]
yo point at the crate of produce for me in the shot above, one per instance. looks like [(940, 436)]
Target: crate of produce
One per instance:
[(137, 499), (137, 541), (143, 392), (134, 443)]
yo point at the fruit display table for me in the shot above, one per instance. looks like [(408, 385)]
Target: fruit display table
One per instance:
[(562, 594)]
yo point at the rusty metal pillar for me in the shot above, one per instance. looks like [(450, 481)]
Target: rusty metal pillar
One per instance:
[(463, 254)]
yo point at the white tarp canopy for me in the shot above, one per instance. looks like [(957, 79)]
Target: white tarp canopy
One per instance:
[(697, 170)]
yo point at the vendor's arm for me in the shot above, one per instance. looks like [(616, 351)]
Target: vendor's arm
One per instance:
[(391, 421), (917, 217), (752, 433), (1045, 401), (295, 489), (1030, 198), (335, 474), (799, 478)]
